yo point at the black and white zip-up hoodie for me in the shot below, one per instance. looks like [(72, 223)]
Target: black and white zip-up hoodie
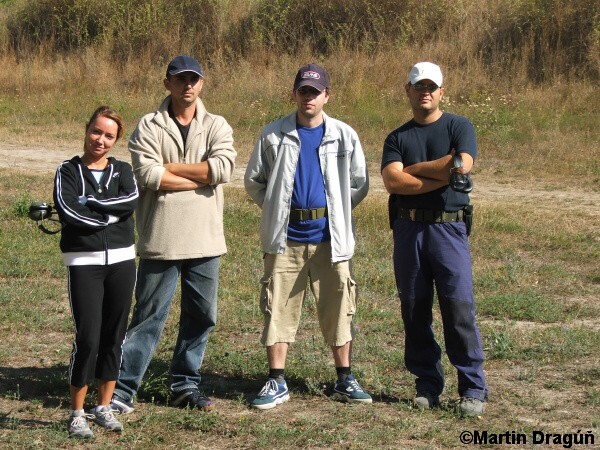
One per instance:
[(97, 218)]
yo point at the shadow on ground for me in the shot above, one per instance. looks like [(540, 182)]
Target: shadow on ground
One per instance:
[(24, 388)]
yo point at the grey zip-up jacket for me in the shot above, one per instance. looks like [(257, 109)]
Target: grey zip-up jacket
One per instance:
[(175, 225), (269, 180)]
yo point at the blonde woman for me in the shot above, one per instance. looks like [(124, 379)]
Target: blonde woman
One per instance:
[(95, 196)]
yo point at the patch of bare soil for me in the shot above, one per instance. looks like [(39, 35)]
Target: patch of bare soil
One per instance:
[(574, 199)]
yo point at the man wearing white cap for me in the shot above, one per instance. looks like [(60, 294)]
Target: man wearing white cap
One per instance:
[(430, 216), (181, 155)]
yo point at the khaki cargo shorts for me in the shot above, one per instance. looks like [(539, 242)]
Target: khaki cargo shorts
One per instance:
[(284, 290)]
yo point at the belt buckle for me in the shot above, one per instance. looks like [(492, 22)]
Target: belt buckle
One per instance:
[(412, 213)]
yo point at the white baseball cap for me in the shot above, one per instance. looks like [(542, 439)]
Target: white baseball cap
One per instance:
[(425, 71)]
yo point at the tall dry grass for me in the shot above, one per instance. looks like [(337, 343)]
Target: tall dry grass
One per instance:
[(536, 40), (523, 71)]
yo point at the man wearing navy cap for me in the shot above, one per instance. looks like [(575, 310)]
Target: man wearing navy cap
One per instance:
[(181, 155), (307, 172), (429, 215)]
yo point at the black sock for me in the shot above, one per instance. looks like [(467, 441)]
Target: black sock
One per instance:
[(342, 373), (277, 374)]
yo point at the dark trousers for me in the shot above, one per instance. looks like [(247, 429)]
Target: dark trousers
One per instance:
[(428, 255), (100, 298)]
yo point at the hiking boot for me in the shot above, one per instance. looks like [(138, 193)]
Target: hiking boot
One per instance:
[(105, 417), (271, 395), (193, 399), (470, 407), (117, 404), (350, 391), (78, 426), (426, 400)]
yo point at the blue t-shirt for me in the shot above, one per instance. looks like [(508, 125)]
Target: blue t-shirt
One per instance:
[(309, 188), (413, 143)]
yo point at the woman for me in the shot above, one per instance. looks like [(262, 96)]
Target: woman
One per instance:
[(95, 196)]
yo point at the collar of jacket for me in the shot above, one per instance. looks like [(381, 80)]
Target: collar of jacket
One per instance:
[(83, 170), (162, 115), (78, 161), (288, 128)]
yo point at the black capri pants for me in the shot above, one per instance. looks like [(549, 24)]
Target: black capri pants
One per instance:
[(100, 298)]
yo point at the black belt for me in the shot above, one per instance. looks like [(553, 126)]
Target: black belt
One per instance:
[(296, 215), (430, 215)]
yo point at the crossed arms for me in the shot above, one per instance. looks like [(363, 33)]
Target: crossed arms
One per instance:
[(148, 153), (422, 177), (185, 177)]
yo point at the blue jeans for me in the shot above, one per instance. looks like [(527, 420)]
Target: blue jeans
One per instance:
[(156, 284), (438, 254)]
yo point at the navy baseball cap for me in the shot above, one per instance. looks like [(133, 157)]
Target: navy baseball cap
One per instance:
[(312, 75), (184, 63)]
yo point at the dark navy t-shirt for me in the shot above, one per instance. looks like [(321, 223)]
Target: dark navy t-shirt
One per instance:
[(309, 188), (413, 143)]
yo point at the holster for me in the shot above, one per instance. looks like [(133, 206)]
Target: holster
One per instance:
[(468, 218)]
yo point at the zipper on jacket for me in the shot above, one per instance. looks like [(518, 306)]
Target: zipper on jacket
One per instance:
[(105, 239)]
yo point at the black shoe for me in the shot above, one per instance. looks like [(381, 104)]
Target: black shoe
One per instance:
[(193, 399)]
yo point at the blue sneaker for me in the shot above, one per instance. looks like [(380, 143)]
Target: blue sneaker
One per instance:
[(121, 406), (271, 395), (350, 391)]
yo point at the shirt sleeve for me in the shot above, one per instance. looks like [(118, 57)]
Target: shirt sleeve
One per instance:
[(221, 154), (463, 137), (256, 176), (391, 150)]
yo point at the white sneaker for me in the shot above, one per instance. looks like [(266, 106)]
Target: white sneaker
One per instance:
[(105, 417), (78, 426)]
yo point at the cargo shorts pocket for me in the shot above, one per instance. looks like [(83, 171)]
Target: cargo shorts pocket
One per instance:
[(351, 292), (266, 295)]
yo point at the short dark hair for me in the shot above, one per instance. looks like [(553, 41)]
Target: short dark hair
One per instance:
[(109, 113)]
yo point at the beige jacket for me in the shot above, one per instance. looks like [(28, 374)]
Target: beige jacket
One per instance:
[(174, 225)]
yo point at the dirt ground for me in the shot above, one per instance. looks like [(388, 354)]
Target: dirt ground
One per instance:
[(555, 406), (488, 190)]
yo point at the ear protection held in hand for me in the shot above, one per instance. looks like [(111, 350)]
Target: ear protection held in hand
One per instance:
[(458, 181), (40, 211)]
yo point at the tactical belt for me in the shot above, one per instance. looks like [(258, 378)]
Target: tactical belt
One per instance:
[(430, 215), (296, 215)]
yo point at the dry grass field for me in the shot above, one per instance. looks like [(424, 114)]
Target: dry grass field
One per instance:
[(525, 72)]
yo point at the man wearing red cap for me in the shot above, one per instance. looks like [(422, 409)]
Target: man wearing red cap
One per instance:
[(307, 172), (181, 155), (429, 215)]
